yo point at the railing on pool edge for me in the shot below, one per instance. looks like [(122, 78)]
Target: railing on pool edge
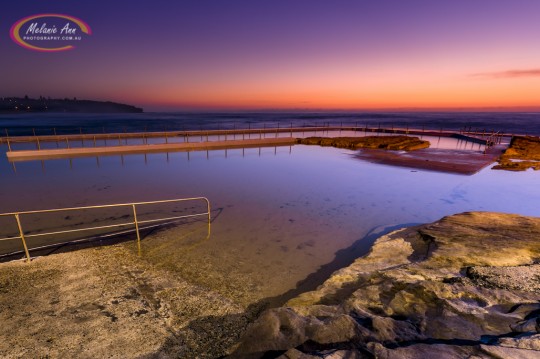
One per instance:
[(186, 134), (135, 223)]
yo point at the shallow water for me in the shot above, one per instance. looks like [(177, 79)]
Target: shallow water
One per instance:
[(279, 214)]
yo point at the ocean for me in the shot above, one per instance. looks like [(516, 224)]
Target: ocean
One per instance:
[(527, 123)]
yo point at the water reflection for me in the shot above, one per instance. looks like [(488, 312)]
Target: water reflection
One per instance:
[(285, 212), (122, 158)]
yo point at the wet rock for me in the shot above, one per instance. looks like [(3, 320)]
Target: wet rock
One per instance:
[(444, 289), (396, 143), (523, 153)]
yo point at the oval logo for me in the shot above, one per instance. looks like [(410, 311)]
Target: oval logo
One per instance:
[(49, 32)]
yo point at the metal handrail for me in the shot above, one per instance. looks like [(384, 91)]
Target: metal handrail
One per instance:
[(135, 222)]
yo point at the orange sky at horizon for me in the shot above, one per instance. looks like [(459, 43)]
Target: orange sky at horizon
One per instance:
[(339, 92), (285, 55), (484, 77)]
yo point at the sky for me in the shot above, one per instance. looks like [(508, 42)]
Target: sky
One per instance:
[(286, 54)]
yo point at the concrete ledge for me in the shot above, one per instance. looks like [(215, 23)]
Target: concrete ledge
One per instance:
[(15, 156)]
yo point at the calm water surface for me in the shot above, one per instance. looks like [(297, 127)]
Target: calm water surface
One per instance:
[(279, 214)]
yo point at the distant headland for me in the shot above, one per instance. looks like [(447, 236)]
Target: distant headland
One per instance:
[(19, 105)]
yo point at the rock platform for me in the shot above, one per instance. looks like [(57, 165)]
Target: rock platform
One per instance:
[(466, 286)]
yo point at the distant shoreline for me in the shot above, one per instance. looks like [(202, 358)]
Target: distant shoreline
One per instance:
[(18, 105)]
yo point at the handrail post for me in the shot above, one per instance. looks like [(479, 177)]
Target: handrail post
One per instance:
[(7, 139), (208, 207), (21, 233), (137, 229)]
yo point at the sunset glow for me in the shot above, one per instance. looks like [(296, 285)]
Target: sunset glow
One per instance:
[(288, 55)]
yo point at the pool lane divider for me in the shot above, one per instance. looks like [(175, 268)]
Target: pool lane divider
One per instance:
[(43, 154)]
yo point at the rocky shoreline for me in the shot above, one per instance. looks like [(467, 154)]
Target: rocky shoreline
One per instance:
[(522, 154), (465, 286)]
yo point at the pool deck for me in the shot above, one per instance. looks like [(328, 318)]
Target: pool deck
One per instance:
[(45, 154)]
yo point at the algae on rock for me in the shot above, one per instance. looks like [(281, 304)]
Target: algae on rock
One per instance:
[(396, 143)]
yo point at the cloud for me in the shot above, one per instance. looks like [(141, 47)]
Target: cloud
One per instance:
[(508, 74)]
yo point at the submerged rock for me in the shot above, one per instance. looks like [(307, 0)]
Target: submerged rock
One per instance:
[(465, 286), (523, 153), (396, 143)]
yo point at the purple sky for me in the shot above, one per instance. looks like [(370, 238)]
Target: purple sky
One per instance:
[(286, 54)]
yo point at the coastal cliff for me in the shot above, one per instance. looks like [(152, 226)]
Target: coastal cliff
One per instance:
[(465, 286)]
